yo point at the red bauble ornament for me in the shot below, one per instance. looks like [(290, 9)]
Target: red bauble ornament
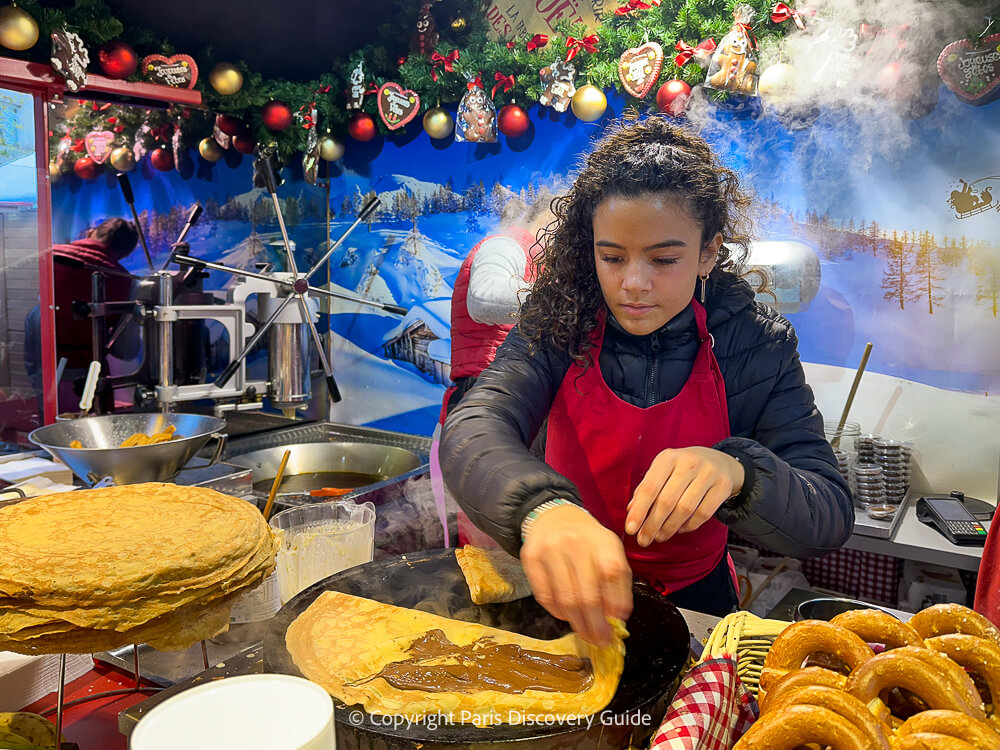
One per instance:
[(229, 125), (85, 168), (244, 144), (117, 59), (276, 115), (361, 126), (162, 159), (672, 97), (513, 121)]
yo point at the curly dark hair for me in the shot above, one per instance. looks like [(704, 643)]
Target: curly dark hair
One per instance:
[(633, 159)]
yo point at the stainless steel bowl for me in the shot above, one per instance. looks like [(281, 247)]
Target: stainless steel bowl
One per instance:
[(826, 608), (102, 437)]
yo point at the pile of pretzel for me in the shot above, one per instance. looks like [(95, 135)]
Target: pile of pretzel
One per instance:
[(928, 661)]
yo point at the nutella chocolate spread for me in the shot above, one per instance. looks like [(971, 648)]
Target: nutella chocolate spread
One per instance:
[(484, 665)]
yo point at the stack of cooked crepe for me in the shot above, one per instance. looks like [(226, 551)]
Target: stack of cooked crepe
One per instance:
[(150, 563)]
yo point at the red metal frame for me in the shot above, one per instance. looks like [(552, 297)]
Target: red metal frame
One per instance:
[(46, 86)]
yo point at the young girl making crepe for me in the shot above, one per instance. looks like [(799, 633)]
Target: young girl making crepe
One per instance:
[(674, 406)]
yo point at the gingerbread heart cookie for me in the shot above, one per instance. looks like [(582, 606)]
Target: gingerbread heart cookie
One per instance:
[(179, 71), (972, 72), (639, 67), (396, 105)]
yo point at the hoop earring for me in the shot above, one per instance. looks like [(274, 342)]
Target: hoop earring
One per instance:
[(703, 278)]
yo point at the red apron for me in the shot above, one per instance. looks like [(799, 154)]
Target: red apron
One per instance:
[(605, 445)]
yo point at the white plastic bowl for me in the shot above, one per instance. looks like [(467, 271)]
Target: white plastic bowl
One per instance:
[(273, 711)]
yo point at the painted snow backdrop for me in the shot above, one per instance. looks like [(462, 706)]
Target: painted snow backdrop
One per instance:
[(864, 186)]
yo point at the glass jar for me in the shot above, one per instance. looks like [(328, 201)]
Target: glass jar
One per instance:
[(843, 436)]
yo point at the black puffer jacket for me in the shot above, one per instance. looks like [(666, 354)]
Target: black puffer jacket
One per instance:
[(794, 500)]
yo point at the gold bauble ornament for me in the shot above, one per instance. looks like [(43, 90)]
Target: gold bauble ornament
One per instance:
[(210, 150), (54, 172), (18, 28), (589, 103), (226, 78), (330, 149), (123, 159), (458, 24), (438, 122)]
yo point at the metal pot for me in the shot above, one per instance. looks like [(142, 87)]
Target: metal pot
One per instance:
[(655, 651), (312, 466), (102, 437)]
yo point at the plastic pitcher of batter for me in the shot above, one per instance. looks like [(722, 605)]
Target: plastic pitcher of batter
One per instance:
[(321, 539)]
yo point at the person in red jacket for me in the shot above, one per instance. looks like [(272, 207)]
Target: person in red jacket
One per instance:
[(102, 249), (492, 282)]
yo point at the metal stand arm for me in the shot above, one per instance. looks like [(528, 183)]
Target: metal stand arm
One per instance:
[(233, 366)]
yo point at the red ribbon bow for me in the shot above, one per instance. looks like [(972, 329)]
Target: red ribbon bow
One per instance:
[(636, 5), (478, 82), (687, 51), (537, 42), (448, 61), (574, 45), (782, 13), (745, 28), (501, 80), (372, 88)]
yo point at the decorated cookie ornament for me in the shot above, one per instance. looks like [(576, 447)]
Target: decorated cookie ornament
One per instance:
[(558, 82), (477, 117), (310, 157), (396, 105), (972, 71), (425, 38), (70, 58), (734, 62), (179, 71), (639, 67), (356, 87), (98, 145)]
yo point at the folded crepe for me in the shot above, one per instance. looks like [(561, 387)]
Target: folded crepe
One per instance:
[(493, 575), (397, 661)]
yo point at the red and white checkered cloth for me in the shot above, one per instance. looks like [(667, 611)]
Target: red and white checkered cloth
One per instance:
[(710, 711)]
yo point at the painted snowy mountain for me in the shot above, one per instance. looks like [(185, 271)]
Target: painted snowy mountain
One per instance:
[(406, 265), (418, 188)]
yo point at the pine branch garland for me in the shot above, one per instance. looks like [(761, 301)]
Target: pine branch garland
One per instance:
[(389, 59)]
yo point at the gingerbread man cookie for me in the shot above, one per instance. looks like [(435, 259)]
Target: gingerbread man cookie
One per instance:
[(737, 71)]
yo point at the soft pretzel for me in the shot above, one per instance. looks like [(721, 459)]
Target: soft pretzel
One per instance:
[(802, 725), (942, 619), (800, 639), (932, 741), (949, 670), (798, 678), (940, 683), (841, 703), (974, 654), (954, 724), (876, 626)]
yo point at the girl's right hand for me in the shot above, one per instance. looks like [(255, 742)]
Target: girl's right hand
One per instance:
[(578, 571)]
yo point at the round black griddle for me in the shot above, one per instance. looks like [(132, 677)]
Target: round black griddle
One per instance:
[(655, 652)]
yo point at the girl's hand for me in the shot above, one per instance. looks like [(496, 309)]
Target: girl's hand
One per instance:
[(578, 571), (681, 490)]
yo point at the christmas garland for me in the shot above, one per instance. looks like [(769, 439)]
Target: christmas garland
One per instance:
[(509, 71)]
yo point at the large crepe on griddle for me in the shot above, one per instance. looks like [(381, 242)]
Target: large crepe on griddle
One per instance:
[(342, 642), (493, 576), (152, 563)]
